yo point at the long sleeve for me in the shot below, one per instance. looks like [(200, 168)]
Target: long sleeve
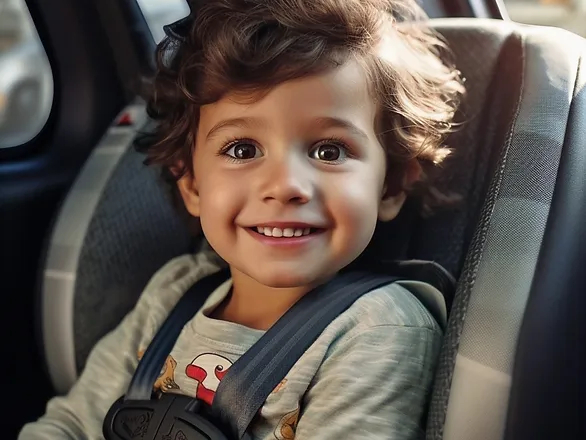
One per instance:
[(113, 360), (372, 386), (80, 413)]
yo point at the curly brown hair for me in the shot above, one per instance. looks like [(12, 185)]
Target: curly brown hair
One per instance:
[(251, 46)]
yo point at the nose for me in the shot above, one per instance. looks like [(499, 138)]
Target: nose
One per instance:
[(287, 180)]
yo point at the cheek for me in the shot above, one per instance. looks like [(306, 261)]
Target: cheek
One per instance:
[(358, 205), (355, 209), (221, 198)]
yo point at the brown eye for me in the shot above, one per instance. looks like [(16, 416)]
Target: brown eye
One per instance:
[(328, 152), (243, 151)]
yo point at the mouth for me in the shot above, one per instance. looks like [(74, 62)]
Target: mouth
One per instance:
[(285, 232)]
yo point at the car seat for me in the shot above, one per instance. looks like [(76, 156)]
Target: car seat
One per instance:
[(512, 365)]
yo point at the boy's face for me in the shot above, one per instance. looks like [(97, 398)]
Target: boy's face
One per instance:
[(304, 157)]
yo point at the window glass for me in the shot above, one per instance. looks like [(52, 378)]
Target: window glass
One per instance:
[(158, 13), (567, 14), (26, 81)]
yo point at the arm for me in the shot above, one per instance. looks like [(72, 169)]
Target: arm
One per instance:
[(79, 414), (112, 362), (374, 385)]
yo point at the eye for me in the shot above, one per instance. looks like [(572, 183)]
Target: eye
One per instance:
[(329, 151), (243, 150)]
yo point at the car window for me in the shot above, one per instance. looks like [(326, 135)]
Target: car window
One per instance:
[(158, 13), (567, 14), (26, 81)]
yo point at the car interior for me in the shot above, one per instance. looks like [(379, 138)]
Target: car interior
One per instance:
[(84, 224)]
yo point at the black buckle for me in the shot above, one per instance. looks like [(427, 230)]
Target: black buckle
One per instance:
[(170, 417)]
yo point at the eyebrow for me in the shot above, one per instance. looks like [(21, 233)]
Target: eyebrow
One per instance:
[(236, 122), (322, 123), (331, 122)]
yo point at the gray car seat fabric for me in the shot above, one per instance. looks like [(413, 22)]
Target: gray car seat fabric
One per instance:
[(486, 115), (445, 237), (115, 229), (551, 339), (520, 86), (474, 378)]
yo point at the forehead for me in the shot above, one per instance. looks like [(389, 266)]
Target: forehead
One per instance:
[(342, 92)]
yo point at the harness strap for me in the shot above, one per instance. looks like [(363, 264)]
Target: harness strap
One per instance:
[(153, 360), (251, 379)]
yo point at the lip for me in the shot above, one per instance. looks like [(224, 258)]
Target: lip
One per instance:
[(285, 242), (283, 225)]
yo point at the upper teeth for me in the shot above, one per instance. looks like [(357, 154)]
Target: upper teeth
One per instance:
[(278, 232)]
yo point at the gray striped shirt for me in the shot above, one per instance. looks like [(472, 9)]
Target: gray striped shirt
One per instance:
[(367, 376)]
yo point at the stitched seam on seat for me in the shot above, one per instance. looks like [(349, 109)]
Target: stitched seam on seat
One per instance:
[(479, 241)]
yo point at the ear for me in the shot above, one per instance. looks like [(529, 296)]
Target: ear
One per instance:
[(188, 190), (391, 204)]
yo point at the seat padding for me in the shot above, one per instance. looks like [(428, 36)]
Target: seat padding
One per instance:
[(537, 69)]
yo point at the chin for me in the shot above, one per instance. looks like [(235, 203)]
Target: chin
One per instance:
[(284, 278)]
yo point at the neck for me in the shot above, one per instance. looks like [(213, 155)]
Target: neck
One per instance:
[(255, 305)]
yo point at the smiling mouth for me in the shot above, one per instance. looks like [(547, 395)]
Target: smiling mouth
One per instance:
[(268, 231)]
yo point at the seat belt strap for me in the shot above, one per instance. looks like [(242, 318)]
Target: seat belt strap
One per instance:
[(153, 360), (251, 379)]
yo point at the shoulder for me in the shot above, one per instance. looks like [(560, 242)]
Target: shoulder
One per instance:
[(389, 324), (386, 330), (172, 280), (392, 305)]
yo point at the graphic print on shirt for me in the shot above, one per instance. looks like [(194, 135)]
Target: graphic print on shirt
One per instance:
[(280, 386), (166, 380), (286, 428), (208, 369)]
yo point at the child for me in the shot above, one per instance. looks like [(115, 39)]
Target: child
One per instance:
[(290, 128)]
